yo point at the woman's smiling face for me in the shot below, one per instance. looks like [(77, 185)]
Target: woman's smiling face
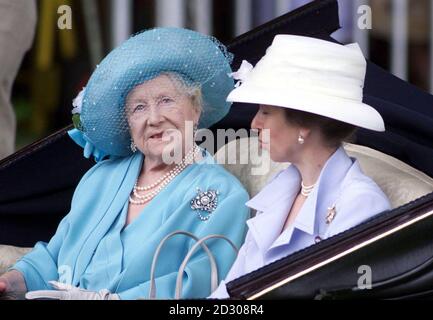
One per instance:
[(158, 112)]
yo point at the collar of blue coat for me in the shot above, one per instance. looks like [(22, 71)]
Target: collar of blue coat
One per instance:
[(275, 200)]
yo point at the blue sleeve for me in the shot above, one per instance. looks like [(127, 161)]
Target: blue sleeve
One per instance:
[(228, 219), (40, 265)]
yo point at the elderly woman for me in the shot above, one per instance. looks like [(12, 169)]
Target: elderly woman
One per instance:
[(138, 112), (310, 97)]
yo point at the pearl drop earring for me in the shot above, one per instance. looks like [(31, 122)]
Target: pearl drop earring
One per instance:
[(194, 130), (133, 146), (301, 139)]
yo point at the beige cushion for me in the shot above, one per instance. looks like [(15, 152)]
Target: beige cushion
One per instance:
[(400, 182), (9, 255)]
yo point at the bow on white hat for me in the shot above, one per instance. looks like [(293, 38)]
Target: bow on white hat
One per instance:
[(243, 72)]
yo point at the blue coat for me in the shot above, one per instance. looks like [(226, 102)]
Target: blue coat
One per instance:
[(91, 249), (341, 185)]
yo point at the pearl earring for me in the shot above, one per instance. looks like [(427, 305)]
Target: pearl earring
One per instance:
[(133, 146), (195, 128), (301, 139)]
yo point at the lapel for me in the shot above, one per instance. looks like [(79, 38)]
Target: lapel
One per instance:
[(272, 205), (276, 200), (115, 193), (158, 222)]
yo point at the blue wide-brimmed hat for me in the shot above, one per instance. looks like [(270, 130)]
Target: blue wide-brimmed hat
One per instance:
[(197, 58)]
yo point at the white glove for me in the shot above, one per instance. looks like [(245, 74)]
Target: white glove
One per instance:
[(69, 292)]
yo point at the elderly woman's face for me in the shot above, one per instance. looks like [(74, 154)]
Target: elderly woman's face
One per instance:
[(281, 142), (157, 114)]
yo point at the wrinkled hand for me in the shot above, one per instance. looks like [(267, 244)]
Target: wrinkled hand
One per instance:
[(7, 292), (4, 285), (69, 292), (12, 286)]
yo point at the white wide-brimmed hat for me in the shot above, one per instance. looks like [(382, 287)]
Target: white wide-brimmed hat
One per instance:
[(310, 75)]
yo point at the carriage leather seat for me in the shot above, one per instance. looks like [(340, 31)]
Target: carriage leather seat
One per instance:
[(400, 182)]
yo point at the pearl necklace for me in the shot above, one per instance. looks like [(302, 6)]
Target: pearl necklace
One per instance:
[(306, 190), (153, 185), (163, 181)]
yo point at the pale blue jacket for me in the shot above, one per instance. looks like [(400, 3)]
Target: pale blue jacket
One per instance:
[(92, 249), (341, 185)]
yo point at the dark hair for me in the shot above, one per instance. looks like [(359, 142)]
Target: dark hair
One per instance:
[(333, 131)]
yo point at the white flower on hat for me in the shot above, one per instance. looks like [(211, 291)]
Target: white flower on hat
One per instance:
[(243, 72), (78, 102)]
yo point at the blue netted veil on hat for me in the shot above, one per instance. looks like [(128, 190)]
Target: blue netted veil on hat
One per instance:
[(199, 59)]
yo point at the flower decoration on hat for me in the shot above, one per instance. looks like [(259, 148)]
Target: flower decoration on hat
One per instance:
[(77, 103), (243, 72)]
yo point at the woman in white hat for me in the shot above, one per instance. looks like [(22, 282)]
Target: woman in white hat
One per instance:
[(310, 95)]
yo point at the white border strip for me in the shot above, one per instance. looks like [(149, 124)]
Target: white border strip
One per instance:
[(170, 13), (360, 36), (121, 21), (243, 16), (202, 16), (431, 47), (282, 7), (399, 47), (93, 31)]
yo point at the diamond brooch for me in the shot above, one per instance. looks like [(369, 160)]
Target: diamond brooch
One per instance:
[(332, 212), (205, 201)]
